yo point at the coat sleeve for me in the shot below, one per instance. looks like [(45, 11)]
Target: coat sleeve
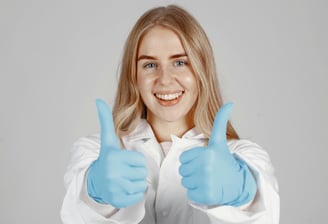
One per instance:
[(265, 207), (78, 207)]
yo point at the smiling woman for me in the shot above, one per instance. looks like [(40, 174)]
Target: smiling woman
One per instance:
[(181, 160), (191, 45), (166, 83)]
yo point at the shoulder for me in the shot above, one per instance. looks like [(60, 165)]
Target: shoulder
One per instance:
[(88, 141), (242, 146), (87, 147), (249, 151)]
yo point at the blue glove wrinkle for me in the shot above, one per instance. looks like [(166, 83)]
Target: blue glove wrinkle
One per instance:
[(91, 188), (249, 187)]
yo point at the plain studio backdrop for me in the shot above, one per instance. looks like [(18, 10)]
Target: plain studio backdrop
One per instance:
[(58, 57)]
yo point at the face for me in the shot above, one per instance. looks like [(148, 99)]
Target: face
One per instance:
[(164, 77)]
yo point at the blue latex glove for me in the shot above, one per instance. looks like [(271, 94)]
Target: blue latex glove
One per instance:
[(212, 175), (117, 177)]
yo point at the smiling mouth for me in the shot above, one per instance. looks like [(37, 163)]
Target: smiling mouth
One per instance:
[(169, 97)]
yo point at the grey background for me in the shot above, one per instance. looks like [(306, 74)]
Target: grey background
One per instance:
[(57, 57)]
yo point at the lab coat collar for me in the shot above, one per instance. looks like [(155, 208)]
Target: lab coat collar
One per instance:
[(144, 132)]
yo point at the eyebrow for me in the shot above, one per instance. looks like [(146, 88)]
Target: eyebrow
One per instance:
[(148, 57)]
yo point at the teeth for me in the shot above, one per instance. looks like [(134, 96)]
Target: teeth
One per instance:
[(168, 96)]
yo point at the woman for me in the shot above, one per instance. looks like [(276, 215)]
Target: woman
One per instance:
[(183, 162)]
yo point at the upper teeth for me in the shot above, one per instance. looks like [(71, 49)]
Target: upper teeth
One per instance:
[(171, 96)]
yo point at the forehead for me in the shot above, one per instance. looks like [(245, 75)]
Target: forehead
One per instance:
[(160, 40)]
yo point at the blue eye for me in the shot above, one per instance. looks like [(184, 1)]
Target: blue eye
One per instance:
[(180, 63), (150, 65)]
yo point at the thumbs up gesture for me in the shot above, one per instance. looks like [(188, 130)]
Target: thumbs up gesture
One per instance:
[(117, 177), (212, 175)]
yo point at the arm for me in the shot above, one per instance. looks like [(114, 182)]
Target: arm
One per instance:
[(226, 181), (78, 207), (104, 183), (265, 207)]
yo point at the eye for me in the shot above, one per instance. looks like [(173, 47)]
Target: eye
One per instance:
[(150, 65), (180, 63)]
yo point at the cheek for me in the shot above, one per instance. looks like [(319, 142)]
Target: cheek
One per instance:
[(140, 80), (190, 84), (144, 84), (189, 81)]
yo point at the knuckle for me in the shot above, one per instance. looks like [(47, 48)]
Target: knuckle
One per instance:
[(183, 182), (182, 170)]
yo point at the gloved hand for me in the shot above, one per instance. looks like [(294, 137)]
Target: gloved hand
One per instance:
[(117, 177), (212, 175)]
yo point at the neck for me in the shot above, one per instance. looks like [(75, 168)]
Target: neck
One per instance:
[(164, 129)]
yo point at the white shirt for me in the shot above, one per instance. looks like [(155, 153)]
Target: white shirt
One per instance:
[(165, 200)]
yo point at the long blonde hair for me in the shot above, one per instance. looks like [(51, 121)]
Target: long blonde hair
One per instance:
[(128, 107)]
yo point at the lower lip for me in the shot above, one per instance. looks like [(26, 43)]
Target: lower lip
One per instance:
[(169, 103)]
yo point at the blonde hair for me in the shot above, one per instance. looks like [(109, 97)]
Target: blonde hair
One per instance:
[(129, 108)]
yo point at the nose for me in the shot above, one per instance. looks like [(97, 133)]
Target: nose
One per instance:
[(166, 75)]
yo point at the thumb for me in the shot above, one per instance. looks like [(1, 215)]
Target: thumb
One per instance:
[(219, 130), (107, 137)]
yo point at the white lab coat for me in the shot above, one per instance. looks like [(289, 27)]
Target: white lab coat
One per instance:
[(165, 200)]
